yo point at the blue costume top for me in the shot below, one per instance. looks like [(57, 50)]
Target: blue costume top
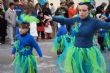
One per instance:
[(18, 10), (26, 41), (86, 29)]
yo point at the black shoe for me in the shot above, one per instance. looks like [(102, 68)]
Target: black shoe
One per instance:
[(3, 42)]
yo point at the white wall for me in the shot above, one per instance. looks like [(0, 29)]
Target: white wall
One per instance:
[(98, 2), (55, 2)]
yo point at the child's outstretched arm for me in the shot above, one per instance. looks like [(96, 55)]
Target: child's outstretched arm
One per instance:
[(36, 46), (67, 21), (15, 49), (13, 53)]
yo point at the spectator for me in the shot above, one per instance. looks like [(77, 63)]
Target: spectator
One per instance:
[(40, 25), (3, 25), (62, 10), (36, 10), (46, 9), (18, 8), (10, 16), (100, 8), (71, 10)]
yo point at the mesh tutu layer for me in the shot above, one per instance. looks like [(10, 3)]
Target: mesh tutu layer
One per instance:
[(82, 60), (60, 43), (25, 64), (63, 42), (107, 40)]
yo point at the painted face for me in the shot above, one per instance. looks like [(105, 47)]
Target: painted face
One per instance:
[(23, 30), (62, 5), (83, 11)]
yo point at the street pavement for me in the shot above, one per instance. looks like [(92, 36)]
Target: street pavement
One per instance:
[(47, 66)]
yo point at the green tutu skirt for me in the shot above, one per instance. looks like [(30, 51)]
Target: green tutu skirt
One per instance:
[(83, 60), (24, 63)]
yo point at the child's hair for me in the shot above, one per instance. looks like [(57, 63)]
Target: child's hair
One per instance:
[(71, 3), (24, 25), (88, 4), (46, 21), (11, 4), (40, 12)]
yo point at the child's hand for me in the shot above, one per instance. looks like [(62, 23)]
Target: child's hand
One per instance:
[(13, 57), (1, 16), (41, 59), (49, 18)]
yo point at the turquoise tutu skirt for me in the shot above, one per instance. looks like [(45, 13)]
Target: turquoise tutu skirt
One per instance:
[(82, 60), (62, 43), (61, 46), (107, 40)]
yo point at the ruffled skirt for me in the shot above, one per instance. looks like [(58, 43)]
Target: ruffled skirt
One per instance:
[(25, 64), (82, 60)]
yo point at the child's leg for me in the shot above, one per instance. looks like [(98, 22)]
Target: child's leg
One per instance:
[(101, 43), (45, 35), (59, 52), (42, 35), (48, 36), (38, 34), (35, 71), (2, 39)]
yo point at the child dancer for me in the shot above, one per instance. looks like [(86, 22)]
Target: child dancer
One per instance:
[(60, 41), (61, 44), (22, 52)]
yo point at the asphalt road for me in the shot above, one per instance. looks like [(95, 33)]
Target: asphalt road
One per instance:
[(47, 66)]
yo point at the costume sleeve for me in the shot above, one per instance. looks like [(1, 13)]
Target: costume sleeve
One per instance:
[(103, 24), (59, 32), (17, 30), (36, 46), (16, 45), (66, 21), (13, 50)]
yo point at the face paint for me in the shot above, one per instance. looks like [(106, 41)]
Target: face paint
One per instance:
[(23, 30), (83, 11)]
